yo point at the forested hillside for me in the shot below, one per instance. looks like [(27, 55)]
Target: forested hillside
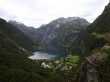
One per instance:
[(18, 36), (16, 67), (100, 55)]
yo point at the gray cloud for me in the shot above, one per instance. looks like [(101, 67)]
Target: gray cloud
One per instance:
[(37, 12)]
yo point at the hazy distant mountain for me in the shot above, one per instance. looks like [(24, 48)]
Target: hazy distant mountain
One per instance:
[(15, 34), (29, 31)]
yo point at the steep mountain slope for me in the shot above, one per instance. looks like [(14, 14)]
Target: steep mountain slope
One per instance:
[(101, 24), (100, 28), (99, 59), (18, 36), (31, 32), (53, 36), (14, 64)]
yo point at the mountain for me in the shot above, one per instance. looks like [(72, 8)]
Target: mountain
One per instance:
[(100, 28), (15, 66), (28, 31), (18, 36), (60, 34), (57, 36), (99, 58), (101, 24)]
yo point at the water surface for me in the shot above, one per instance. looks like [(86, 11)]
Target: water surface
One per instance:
[(43, 55)]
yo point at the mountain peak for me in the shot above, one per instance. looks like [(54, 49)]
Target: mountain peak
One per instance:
[(102, 23), (63, 20)]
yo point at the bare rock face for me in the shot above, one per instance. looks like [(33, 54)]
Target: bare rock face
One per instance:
[(61, 33)]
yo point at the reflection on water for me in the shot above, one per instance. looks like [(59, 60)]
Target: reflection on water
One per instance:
[(42, 55)]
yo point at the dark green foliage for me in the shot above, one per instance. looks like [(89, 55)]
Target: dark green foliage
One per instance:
[(102, 23), (14, 33), (98, 29), (16, 67), (104, 70), (14, 64)]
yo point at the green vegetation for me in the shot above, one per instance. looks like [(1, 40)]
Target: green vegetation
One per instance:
[(15, 34), (72, 60), (15, 66)]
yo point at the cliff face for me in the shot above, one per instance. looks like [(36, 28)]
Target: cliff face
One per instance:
[(62, 34)]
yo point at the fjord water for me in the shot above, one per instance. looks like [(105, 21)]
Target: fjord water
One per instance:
[(43, 55)]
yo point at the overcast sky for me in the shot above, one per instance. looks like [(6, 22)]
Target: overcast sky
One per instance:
[(38, 12)]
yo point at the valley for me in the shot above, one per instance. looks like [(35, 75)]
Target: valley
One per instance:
[(66, 49)]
